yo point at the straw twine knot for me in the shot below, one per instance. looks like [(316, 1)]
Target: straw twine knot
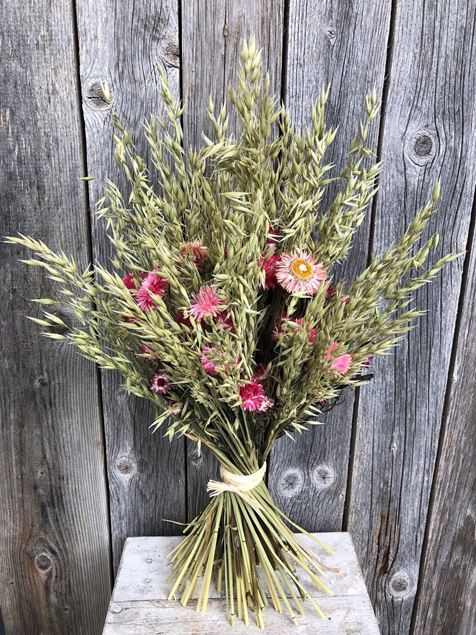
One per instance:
[(240, 484)]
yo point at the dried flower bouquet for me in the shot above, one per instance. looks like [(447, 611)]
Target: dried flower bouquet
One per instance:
[(222, 309)]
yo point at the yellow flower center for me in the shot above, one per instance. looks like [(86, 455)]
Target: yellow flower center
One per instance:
[(301, 269)]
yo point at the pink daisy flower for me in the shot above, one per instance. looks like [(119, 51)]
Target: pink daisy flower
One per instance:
[(341, 363), (269, 266), (208, 366), (300, 272), (160, 383), (206, 303), (154, 284), (196, 250), (253, 397)]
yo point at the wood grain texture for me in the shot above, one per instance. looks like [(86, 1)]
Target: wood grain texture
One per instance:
[(121, 43), (429, 133), (54, 539), (139, 603), (446, 602), (329, 43), (212, 37)]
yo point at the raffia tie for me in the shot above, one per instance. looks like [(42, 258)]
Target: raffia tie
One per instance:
[(240, 484)]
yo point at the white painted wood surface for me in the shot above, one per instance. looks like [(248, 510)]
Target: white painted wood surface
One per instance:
[(139, 604)]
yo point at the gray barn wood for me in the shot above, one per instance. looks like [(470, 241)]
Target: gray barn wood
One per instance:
[(448, 577), (54, 540), (429, 134), (139, 602)]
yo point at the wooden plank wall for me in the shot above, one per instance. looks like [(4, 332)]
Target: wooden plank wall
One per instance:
[(79, 471)]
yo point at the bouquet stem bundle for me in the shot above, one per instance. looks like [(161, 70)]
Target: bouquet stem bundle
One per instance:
[(248, 548), (222, 308)]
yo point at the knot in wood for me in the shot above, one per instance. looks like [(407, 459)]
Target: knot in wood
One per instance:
[(43, 562), (401, 583), (41, 380), (126, 466), (170, 55), (422, 147), (291, 482), (323, 476), (331, 34), (95, 97), (196, 458)]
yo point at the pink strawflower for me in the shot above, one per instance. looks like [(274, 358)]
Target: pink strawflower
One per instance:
[(253, 397), (160, 383), (300, 272), (269, 266), (129, 281), (206, 303), (341, 363), (278, 330), (196, 250), (261, 373), (208, 366), (154, 284)]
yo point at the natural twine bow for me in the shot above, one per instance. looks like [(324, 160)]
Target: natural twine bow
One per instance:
[(240, 484)]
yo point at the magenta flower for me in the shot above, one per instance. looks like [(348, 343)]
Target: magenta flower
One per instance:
[(341, 363), (300, 272), (206, 303), (129, 281), (253, 397), (154, 284), (160, 383), (269, 266)]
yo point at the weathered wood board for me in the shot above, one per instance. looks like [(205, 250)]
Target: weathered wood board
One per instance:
[(139, 602), (122, 45), (429, 133), (445, 602), (54, 538)]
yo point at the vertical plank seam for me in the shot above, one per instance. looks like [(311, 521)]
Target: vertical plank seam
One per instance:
[(84, 162), (470, 244), (373, 211), (181, 92)]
